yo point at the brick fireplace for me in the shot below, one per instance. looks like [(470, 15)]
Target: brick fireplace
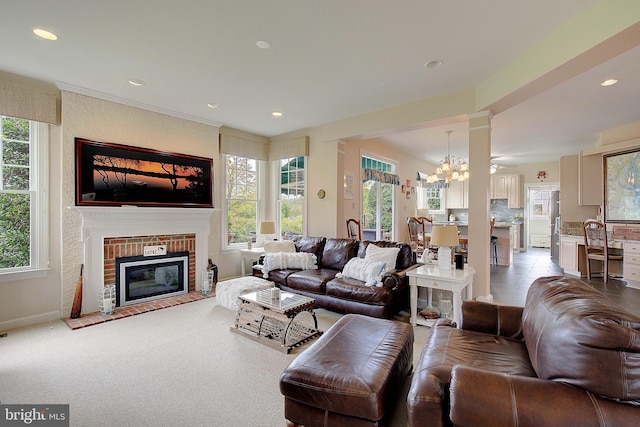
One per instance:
[(112, 232), (130, 246)]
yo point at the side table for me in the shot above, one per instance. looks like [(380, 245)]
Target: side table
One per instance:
[(249, 255), (431, 277)]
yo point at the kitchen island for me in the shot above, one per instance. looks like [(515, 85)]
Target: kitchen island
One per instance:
[(504, 231)]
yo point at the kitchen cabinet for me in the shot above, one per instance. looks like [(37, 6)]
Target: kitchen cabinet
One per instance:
[(458, 195), (499, 186), (631, 264), (515, 237), (590, 179), (514, 195), (569, 254)]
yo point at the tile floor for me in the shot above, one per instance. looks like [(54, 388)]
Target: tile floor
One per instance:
[(509, 285)]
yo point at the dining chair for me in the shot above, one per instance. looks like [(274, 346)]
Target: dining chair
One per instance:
[(354, 230), (493, 245), (416, 234), (596, 247)]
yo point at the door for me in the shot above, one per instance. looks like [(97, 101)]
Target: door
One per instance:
[(377, 218), (539, 210)]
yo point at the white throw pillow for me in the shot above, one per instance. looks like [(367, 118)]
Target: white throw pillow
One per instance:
[(368, 271), (273, 246), (386, 255), (297, 260)]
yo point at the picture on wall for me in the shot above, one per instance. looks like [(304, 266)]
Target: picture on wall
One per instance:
[(110, 174), (622, 187)]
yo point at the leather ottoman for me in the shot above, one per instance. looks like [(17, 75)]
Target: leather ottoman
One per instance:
[(350, 376)]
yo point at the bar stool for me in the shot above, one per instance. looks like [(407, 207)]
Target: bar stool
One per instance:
[(493, 247)]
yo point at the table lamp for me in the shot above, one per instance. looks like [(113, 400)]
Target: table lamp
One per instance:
[(444, 237), (267, 227)]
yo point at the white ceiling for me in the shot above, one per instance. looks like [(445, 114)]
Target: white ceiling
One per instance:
[(328, 60)]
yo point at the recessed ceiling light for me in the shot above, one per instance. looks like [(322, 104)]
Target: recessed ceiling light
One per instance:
[(608, 82), (47, 35), (276, 114), (263, 44), (434, 64), (213, 105), (136, 82)]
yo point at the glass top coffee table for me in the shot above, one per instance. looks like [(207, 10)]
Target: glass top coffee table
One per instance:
[(280, 320)]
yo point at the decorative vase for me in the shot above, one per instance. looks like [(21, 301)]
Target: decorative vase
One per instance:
[(206, 281)]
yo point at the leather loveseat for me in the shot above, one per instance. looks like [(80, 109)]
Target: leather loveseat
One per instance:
[(345, 294), (569, 357)]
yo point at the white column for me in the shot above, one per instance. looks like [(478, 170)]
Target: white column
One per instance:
[(479, 204)]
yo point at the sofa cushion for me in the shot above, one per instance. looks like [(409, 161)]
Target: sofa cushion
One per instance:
[(312, 281), (295, 260), (364, 270), (274, 246), (353, 290), (386, 255), (313, 245), (576, 335), (405, 259), (337, 252)]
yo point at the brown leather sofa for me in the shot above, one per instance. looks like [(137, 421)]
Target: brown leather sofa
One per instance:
[(346, 295), (569, 357)]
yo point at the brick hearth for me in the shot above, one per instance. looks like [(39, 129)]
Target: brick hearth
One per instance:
[(96, 318)]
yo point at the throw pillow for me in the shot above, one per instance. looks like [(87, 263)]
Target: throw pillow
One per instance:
[(273, 246), (370, 272), (386, 255), (296, 260)]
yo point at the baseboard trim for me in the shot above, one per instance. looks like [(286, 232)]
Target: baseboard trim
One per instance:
[(29, 320)]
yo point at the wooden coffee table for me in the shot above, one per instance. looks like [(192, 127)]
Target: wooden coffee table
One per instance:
[(282, 323)]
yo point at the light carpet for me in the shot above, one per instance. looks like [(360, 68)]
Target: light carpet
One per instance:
[(174, 367)]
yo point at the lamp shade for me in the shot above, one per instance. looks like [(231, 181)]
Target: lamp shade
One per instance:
[(267, 227), (444, 235)]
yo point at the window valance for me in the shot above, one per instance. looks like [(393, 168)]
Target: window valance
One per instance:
[(243, 144), (384, 177), (27, 103)]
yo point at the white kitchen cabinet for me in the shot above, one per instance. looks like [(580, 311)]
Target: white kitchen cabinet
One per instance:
[(514, 195), (569, 253), (631, 264), (458, 195), (515, 237), (499, 186)]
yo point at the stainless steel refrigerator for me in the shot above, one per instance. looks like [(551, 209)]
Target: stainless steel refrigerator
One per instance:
[(556, 223)]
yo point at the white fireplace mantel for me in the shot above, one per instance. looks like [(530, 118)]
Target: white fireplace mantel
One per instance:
[(100, 222)]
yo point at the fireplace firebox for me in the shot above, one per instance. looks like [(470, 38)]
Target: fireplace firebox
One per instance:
[(145, 278)]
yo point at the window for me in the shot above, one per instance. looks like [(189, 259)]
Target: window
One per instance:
[(432, 198), (241, 184), (23, 198), (377, 202), (292, 190)]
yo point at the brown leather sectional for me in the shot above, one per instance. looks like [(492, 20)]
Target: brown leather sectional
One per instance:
[(346, 295), (570, 357)]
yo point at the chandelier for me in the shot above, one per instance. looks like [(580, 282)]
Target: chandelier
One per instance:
[(450, 169)]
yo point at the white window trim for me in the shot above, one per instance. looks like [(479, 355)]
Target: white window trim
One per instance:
[(260, 172), (39, 182), (275, 182)]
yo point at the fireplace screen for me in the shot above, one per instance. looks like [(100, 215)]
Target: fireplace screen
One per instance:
[(143, 278)]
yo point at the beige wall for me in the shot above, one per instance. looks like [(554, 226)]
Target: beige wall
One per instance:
[(30, 301), (406, 168)]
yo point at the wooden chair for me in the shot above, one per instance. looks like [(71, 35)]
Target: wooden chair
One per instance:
[(416, 234), (596, 247), (493, 245), (354, 231), (427, 224)]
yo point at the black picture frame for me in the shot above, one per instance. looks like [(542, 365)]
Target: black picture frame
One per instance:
[(622, 187), (109, 174)]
